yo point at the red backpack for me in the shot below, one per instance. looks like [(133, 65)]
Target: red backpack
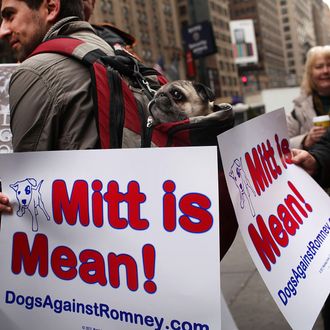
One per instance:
[(122, 89)]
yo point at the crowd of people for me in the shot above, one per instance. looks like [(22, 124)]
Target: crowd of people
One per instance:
[(51, 104)]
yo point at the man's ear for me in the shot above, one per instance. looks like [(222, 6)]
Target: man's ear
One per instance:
[(53, 9)]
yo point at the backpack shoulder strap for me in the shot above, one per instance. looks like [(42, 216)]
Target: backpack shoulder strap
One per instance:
[(103, 90), (117, 105), (71, 47)]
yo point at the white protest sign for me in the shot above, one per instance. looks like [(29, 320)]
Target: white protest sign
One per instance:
[(6, 71), (111, 239), (284, 216)]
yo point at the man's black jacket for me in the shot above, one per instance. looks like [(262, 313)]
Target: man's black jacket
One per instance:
[(321, 151)]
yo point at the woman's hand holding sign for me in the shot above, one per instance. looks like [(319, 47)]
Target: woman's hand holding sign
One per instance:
[(4, 204), (305, 160)]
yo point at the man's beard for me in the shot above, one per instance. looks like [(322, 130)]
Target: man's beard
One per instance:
[(26, 49)]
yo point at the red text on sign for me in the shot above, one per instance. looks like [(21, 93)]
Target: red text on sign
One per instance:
[(263, 166), (90, 265), (283, 225)]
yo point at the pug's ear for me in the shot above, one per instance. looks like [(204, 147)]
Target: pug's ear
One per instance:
[(205, 93)]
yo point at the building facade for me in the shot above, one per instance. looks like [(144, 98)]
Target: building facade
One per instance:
[(270, 71), (216, 70), (298, 28), (223, 61), (284, 31), (155, 26), (158, 24), (326, 24), (318, 12)]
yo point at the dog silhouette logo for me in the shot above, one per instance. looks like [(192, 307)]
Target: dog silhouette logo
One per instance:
[(243, 184), (29, 199)]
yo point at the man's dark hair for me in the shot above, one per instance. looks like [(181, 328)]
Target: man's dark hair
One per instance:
[(68, 7)]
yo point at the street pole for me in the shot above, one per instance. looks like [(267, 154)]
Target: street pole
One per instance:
[(200, 63)]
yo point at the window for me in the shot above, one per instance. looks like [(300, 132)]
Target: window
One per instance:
[(182, 10)]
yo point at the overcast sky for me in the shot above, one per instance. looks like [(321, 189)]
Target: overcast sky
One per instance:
[(327, 2)]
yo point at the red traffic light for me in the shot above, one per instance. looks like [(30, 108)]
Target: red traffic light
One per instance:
[(244, 80)]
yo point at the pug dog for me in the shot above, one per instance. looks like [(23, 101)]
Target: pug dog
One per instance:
[(179, 100)]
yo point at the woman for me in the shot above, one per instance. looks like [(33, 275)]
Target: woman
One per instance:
[(313, 101)]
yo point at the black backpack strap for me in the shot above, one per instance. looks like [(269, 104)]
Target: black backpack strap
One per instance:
[(133, 69)]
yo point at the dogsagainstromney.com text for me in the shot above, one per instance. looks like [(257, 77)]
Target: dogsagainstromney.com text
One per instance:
[(98, 310)]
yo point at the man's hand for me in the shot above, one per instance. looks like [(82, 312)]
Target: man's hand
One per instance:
[(4, 204), (305, 160), (314, 135)]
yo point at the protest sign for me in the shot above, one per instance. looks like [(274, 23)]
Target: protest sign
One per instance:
[(111, 239), (283, 215), (5, 134)]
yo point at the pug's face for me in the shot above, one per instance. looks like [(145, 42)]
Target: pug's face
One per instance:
[(180, 100)]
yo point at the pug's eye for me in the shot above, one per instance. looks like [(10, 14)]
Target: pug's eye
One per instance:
[(177, 95)]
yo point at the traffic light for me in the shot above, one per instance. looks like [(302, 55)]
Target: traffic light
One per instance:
[(244, 80)]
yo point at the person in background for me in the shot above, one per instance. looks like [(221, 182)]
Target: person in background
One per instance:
[(316, 162), (313, 101)]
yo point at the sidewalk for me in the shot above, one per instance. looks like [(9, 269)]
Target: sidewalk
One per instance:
[(248, 299)]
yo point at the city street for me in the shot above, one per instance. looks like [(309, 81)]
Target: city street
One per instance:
[(248, 299), (81, 77)]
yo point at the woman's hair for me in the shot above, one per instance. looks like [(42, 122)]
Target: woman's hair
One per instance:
[(68, 7), (307, 84)]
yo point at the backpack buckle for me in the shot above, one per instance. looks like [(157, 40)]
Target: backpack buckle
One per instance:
[(143, 82)]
